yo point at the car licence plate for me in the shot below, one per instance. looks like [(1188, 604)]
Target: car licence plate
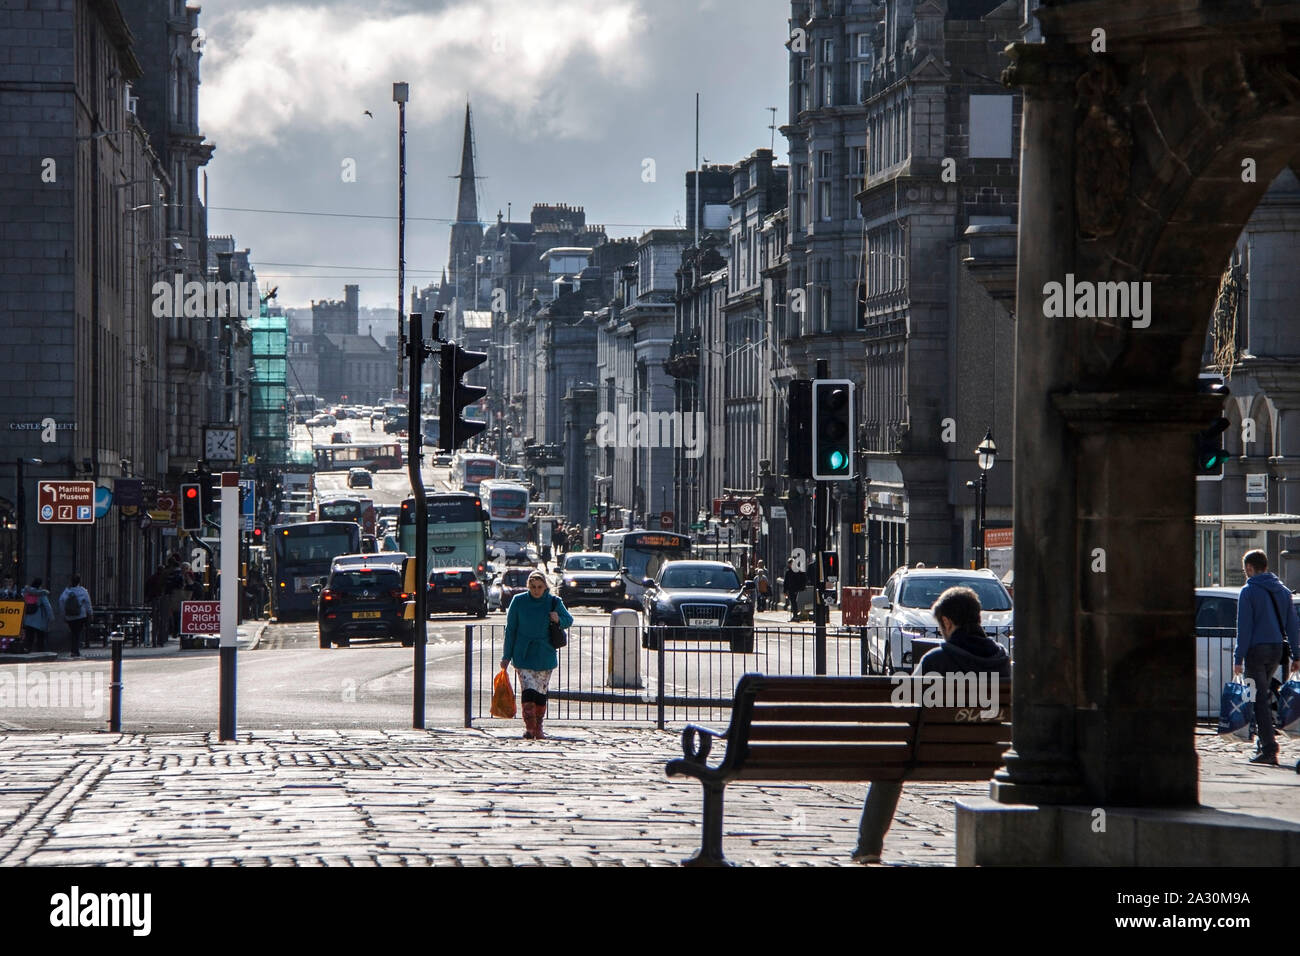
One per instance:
[(356, 615), (452, 590), (593, 590), (703, 622)]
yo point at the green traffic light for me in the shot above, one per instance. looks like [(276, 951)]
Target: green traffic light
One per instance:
[(837, 460)]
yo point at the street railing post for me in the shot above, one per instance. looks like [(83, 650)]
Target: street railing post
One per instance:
[(659, 690), (469, 675), (115, 684)]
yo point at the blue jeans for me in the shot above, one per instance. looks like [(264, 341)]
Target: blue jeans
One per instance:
[(1261, 661)]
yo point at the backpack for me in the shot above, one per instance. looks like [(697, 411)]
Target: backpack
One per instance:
[(32, 601), (71, 604), (762, 583)]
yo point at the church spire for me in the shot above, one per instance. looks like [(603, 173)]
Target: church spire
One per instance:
[(467, 201)]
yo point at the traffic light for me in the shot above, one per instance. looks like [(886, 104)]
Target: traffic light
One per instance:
[(798, 423), (191, 507), (454, 430), (257, 536), (830, 566), (597, 540), (833, 429), (1210, 456)]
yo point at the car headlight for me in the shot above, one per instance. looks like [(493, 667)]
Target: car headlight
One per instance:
[(571, 582)]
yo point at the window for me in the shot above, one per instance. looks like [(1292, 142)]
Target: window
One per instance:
[(864, 44), (860, 161), (828, 51), (828, 87)]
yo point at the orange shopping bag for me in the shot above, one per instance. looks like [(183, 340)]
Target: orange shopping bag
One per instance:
[(503, 696)]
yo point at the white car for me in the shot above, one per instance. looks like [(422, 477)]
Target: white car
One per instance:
[(901, 612), (1216, 642)]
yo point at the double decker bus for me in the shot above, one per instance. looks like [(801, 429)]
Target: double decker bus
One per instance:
[(469, 468), (340, 509), (643, 553), (300, 557), (458, 531), (506, 503), (372, 456)]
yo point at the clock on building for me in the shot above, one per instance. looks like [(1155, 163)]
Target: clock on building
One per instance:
[(221, 444)]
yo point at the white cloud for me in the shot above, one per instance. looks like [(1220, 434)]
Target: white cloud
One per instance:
[(273, 68)]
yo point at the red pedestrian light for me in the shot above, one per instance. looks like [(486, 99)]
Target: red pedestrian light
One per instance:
[(191, 491)]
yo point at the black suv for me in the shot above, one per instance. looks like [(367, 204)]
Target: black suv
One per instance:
[(456, 590), (699, 601), (364, 601), (590, 577)]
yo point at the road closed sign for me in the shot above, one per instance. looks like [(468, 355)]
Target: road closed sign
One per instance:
[(201, 617), (11, 618)]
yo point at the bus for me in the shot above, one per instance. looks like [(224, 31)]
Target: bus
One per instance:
[(340, 509), (469, 468), (458, 531), (506, 503), (372, 456), (643, 553), (301, 556)]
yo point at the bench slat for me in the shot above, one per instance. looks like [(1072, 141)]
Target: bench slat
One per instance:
[(832, 732), (928, 754), (897, 732), (833, 690), (850, 773), (833, 713)]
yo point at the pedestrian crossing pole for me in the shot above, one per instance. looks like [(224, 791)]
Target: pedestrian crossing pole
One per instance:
[(229, 598)]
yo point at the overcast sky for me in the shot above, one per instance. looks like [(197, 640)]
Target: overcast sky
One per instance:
[(570, 97)]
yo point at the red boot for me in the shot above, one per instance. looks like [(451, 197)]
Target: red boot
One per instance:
[(530, 720), (539, 713)]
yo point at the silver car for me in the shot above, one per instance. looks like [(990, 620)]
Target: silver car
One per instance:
[(901, 612)]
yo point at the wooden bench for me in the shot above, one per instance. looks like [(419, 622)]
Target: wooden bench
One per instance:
[(838, 729)]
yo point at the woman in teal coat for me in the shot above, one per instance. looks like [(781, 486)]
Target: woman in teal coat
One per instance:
[(528, 647)]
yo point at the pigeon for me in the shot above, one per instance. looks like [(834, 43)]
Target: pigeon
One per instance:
[(370, 114)]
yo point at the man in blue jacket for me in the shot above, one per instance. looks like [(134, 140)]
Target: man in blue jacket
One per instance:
[(1265, 618)]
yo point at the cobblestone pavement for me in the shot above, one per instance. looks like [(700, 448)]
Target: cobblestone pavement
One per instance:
[(457, 797)]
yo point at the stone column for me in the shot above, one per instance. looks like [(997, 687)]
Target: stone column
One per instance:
[(1042, 765)]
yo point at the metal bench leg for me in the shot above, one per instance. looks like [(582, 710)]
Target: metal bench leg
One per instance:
[(710, 853)]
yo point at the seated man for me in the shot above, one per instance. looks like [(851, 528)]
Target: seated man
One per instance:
[(966, 650)]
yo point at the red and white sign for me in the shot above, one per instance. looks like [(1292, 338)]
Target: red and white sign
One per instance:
[(201, 617), (65, 502), (748, 508), (998, 537)]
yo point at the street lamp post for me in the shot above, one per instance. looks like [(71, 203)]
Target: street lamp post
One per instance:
[(401, 93), (985, 454)]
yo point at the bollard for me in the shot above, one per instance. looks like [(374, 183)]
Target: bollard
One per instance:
[(624, 649), (115, 685)]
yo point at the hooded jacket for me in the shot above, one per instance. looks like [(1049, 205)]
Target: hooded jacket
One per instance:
[(1261, 602), (966, 651), (42, 614)]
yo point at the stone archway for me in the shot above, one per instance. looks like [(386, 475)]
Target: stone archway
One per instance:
[(1134, 170)]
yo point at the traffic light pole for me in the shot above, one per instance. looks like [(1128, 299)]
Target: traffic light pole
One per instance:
[(417, 352), (821, 613)]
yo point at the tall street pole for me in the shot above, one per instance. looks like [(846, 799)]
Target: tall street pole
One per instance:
[(414, 461), (401, 92)]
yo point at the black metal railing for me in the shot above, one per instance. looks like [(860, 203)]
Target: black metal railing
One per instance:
[(662, 675)]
